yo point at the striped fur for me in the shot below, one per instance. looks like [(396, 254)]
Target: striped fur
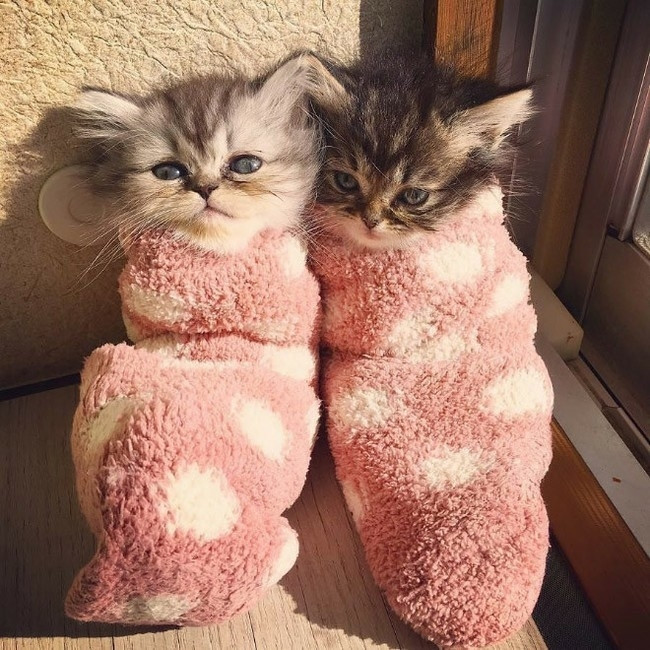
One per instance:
[(203, 123), (399, 122)]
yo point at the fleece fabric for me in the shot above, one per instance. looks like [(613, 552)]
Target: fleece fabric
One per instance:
[(438, 412), (189, 445)]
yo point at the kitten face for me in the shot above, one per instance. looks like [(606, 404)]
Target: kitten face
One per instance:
[(215, 159), (406, 145)]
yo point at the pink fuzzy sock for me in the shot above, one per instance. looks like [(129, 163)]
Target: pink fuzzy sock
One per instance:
[(189, 446), (438, 420)]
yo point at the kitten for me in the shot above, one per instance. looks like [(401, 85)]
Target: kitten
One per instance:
[(216, 159), (407, 143), (437, 404)]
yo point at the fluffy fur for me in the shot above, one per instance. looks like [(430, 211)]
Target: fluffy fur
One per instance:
[(438, 413), (438, 406), (189, 446), (203, 125), (396, 124)]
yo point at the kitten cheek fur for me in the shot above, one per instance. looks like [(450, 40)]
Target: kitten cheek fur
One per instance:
[(203, 123)]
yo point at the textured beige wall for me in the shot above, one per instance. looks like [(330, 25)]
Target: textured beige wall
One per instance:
[(51, 313)]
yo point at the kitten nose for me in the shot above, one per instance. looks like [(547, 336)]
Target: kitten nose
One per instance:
[(371, 221), (205, 190)]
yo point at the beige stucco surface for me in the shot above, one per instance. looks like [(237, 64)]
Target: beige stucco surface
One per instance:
[(53, 309)]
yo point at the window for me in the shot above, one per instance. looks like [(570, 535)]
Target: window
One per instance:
[(607, 283)]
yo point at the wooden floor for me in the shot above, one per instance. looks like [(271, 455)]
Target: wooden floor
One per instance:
[(328, 600)]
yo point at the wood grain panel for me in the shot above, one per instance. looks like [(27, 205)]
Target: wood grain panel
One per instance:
[(328, 600), (466, 35), (429, 26), (612, 568)]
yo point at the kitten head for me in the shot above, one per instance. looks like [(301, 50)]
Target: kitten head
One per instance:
[(216, 159), (407, 143)]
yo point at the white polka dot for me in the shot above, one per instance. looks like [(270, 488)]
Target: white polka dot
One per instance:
[(517, 393), (286, 558), (164, 308), (354, 501), (509, 292), (295, 361), (361, 408), (453, 263), (449, 468), (416, 338), (200, 502), (262, 427), (313, 420), (164, 608), (336, 311), (103, 424), (293, 258), (413, 332), (133, 332), (89, 445), (274, 331), (450, 346)]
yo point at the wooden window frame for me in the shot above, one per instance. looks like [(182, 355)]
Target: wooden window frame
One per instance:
[(609, 563)]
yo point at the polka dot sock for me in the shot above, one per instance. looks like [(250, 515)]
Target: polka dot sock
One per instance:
[(438, 412), (189, 446)]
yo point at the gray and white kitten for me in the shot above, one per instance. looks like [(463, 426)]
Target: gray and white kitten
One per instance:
[(407, 143), (216, 159)]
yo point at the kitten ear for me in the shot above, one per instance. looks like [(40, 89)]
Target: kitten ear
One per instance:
[(298, 78), (324, 86), (102, 114), (489, 122), (284, 87)]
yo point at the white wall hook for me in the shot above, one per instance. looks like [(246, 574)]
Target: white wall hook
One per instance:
[(70, 209)]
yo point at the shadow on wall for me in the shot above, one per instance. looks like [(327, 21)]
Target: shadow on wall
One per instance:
[(63, 271), (377, 16)]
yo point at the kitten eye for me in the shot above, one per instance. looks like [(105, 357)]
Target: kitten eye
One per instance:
[(170, 171), (245, 164), (346, 182), (413, 196)]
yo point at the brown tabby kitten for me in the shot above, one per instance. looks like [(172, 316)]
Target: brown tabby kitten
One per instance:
[(215, 159), (407, 143)]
